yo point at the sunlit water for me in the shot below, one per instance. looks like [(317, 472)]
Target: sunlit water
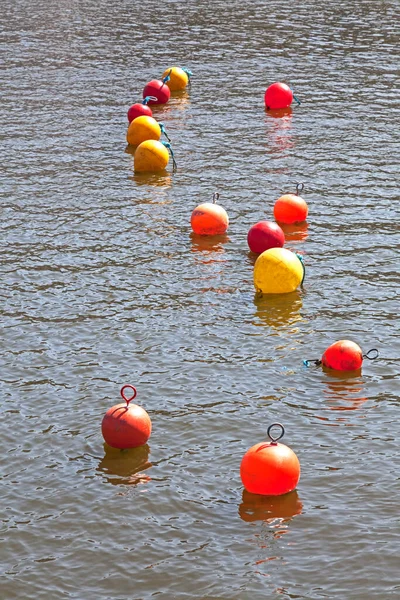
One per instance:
[(103, 284)]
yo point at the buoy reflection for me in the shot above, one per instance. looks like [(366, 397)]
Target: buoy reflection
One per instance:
[(208, 243), (160, 179), (271, 509), (276, 310), (344, 391), (295, 232), (125, 466)]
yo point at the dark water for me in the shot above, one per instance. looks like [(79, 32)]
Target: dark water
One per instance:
[(102, 284)]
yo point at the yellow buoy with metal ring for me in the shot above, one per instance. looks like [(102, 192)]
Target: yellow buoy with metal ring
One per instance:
[(150, 156), (141, 129), (278, 271), (178, 78)]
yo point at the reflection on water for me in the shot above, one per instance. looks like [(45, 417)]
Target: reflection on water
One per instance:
[(277, 310), (280, 113), (125, 466), (279, 123), (271, 509), (208, 243), (344, 390), (160, 179), (295, 232)]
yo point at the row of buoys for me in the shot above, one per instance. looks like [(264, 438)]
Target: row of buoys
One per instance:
[(144, 132)]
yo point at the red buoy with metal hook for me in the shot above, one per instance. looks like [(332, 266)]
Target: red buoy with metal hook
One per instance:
[(126, 425)]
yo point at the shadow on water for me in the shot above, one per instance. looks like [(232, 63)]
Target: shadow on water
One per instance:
[(276, 310), (255, 507), (125, 466)]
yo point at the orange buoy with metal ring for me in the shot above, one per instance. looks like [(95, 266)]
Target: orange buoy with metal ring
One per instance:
[(141, 129), (344, 355), (291, 208), (269, 468), (210, 218), (124, 425)]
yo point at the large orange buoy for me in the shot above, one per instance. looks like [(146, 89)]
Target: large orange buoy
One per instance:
[(270, 468), (178, 78), (141, 129), (209, 218), (344, 355), (125, 426), (291, 208), (151, 156)]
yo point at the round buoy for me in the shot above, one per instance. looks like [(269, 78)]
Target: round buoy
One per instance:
[(265, 235), (278, 271), (278, 95), (178, 78), (343, 356), (291, 208), (157, 89), (141, 129), (269, 468), (150, 156), (140, 109), (209, 218), (125, 426)]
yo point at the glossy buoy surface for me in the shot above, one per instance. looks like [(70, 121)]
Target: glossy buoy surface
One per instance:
[(126, 425)]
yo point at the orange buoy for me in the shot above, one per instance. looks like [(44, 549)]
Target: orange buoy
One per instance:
[(178, 78), (209, 218), (141, 129), (125, 426), (291, 208), (343, 356), (269, 468)]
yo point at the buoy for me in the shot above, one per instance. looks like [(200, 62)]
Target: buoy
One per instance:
[(344, 355), (158, 88), (210, 218), (279, 95), (178, 78), (150, 156), (265, 235), (291, 208), (141, 129), (278, 271), (140, 109), (269, 468), (125, 426)]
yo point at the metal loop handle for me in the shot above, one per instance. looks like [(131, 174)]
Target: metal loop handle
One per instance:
[(215, 197), (130, 387), (273, 439), (375, 355), (299, 188)]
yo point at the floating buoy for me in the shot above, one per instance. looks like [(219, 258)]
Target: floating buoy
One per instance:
[(141, 129), (279, 95), (291, 208), (209, 218), (140, 109), (158, 89), (265, 235), (269, 468), (125, 426), (278, 271), (344, 355), (178, 78), (150, 156)]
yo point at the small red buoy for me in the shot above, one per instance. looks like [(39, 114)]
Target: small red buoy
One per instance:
[(125, 426), (141, 109), (291, 208), (278, 95), (209, 218), (269, 468), (265, 235), (343, 356), (158, 89)]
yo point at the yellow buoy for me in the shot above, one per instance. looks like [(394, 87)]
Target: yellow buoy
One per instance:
[(150, 156), (178, 79), (141, 129), (278, 271)]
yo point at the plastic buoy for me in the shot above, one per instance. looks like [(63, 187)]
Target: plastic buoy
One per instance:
[(344, 355), (178, 78), (141, 129), (278, 95), (209, 218), (278, 271), (269, 468), (126, 426), (265, 235), (140, 109), (158, 89), (291, 208), (150, 156)]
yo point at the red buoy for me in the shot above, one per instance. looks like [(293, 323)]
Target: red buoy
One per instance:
[(141, 109), (270, 468), (158, 89), (265, 235), (278, 95), (125, 426), (343, 356), (291, 208)]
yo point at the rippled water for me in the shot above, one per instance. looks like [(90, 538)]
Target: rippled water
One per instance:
[(103, 284)]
